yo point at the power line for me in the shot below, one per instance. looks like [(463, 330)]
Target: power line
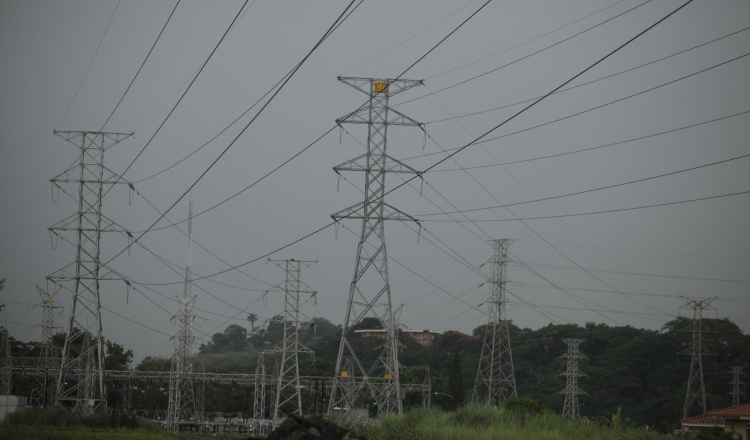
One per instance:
[(472, 142), (589, 148), (595, 189), (525, 42), (142, 64), (595, 212), (92, 62), (592, 81), (523, 58), (476, 142)]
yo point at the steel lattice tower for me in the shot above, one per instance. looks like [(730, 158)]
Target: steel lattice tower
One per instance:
[(495, 380), (696, 389), (736, 383), (86, 271), (572, 372), (184, 406), (6, 364), (259, 396), (370, 291), (42, 388), (288, 393)]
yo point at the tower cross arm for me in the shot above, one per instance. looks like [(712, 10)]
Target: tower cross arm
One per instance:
[(362, 116), (390, 165), (389, 213), (392, 86)]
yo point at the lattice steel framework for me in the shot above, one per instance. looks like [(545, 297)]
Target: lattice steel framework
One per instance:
[(572, 372), (696, 389), (736, 383), (259, 397), (427, 389), (184, 400), (370, 291), (288, 393), (42, 388), (6, 364), (86, 271), (495, 380)]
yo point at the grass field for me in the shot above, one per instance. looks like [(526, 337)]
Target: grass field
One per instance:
[(486, 423), (467, 423)]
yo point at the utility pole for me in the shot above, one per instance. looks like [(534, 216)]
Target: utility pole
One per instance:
[(86, 272), (736, 382), (183, 401), (495, 380), (42, 391), (696, 389), (370, 290), (288, 392), (572, 372)]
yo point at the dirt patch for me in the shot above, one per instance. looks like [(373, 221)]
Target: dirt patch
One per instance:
[(311, 428)]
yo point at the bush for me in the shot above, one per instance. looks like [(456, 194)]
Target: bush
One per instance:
[(523, 405)]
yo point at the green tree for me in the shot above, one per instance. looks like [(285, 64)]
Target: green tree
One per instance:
[(116, 357), (456, 381), (252, 318)]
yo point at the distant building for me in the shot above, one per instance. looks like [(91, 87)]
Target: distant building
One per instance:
[(734, 420), (423, 337)]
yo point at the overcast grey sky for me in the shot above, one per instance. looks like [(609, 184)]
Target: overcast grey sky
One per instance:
[(650, 256)]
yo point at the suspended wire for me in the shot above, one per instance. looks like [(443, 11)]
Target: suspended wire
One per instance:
[(593, 189), (594, 212), (525, 42), (522, 58), (142, 64), (216, 47), (590, 148), (92, 62), (592, 81), (414, 36), (456, 149), (328, 32)]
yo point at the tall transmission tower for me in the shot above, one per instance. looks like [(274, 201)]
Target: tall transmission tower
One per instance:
[(288, 392), (370, 290), (184, 403), (495, 380), (42, 388), (696, 389), (736, 372), (572, 372), (86, 272)]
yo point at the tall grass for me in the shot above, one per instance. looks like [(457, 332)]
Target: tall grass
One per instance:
[(475, 422), (39, 417)]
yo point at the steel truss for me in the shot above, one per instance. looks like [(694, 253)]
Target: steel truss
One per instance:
[(495, 380), (571, 391), (370, 291), (85, 273), (288, 392), (696, 389)]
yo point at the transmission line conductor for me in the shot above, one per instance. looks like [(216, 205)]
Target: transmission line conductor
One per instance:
[(370, 291)]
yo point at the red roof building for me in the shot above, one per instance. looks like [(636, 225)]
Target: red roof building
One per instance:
[(734, 420)]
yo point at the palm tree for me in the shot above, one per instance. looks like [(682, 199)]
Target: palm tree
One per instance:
[(252, 318)]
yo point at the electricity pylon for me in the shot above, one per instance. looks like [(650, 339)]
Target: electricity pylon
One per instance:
[(572, 372), (259, 395), (427, 389), (696, 389), (370, 290), (6, 364), (288, 393), (184, 406), (42, 389), (495, 380), (86, 272), (736, 383)]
